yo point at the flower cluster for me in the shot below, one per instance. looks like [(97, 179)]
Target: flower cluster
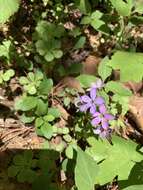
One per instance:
[(96, 106)]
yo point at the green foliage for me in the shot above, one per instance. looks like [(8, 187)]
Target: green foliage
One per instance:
[(6, 76), (86, 171), (31, 82), (6, 50), (123, 7), (130, 65), (134, 187), (122, 152), (94, 20), (7, 9), (104, 70), (48, 42), (83, 5), (26, 103), (80, 43), (86, 80), (22, 167)]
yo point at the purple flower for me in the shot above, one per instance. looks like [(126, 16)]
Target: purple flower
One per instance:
[(102, 117), (103, 133), (90, 102)]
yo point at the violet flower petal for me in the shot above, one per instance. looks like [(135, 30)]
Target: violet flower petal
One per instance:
[(84, 107), (105, 123), (102, 109), (93, 93), (85, 98), (93, 109), (99, 100), (108, 116), (96, 121)]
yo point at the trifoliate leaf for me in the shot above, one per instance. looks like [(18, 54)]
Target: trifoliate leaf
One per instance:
[(26, 103), (45, 87), (41, 108), (26, 119), (47, 130), (13, 170), (57, 53)]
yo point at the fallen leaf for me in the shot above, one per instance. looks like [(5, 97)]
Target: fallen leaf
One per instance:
[(136, 110), (90, 65)]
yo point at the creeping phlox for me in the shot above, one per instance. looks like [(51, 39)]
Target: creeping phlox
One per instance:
[(95, 105)]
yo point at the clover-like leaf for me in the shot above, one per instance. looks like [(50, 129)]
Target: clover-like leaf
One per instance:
[(26, 103)]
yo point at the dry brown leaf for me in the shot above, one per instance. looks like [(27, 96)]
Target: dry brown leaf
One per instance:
[(134, 86), (69, 82), (136, 109), (90, 65), (64, 113)]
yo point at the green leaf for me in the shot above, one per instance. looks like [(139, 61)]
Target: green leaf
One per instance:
[(134, 187), (86, 20), (96, 24), (117, 88), (86, 80), (49, 56), (12, 171), (39, 121), (86, 171), (130, 65), (28, 155), (84, 6), (7, 9), (54, 111), (104, 70), (139, 6), (47, 130), (26, 103), (18, 160), (30, 88), (69, 152), (135, 177), (80, 43), (26, 119), (49, 118), (23, 80), (67, 101), (57, 53), (41, 108), (118, 158), (45, 87), (123, 7), (30, 175)]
